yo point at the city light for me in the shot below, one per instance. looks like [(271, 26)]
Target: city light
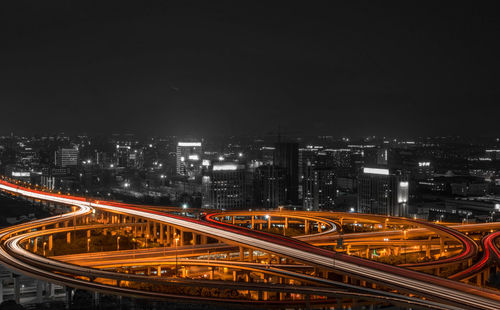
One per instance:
[(189, 144), (376, 171), (225, 167)]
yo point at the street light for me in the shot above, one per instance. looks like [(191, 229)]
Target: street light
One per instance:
[(176, 260)]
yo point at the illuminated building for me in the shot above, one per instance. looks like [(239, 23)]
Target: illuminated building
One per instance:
[(286, 156), (319, 188), (189, 161), (269, 186), (381, 191), (306, 157), (227, 187), (66, 157)]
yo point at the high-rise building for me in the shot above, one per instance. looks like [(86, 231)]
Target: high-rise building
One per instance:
[(319, 188), (66, 157), (269, 186), (228, 187), (307, 156), (286, 156), (189, 159), (382, 191), (122, 154)]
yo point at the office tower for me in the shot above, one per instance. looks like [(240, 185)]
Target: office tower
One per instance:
[(286, 156), (319, 188), (269, 186), (228, 187), (66, 157), (307, 156), (382, 191), (189, 159)]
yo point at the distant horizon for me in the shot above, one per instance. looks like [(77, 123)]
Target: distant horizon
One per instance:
[(337, 138)]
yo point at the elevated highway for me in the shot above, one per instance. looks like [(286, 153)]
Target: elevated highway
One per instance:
[(441, 291)]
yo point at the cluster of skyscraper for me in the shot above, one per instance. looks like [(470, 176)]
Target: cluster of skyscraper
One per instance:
[(274, 181)]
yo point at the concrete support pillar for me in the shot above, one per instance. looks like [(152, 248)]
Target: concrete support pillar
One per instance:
[(428, 248), (286, 222), (269, 223), (195, 239), (155, 231), (319, 227), (68, 237), (51, 241), (35, 245), (306, 226), (162, 233), (17, 289), (252, 225), (51, 289), (69, 293), (181, 241), (242, 253), (169, 232), (203, 239), (250, 255), (158, 271), (441, 244), (39, 290), (1, 291), (233, 220), (96, 299)]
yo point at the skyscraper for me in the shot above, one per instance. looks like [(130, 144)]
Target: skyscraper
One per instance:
[(189, 159), (286, 156), (269, 186), (381, 191), (66, 157), (319, 188), (228, 187)]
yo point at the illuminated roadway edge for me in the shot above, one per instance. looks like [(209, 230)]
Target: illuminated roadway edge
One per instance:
[(490, 253), (35, 260), (371, 294), (469, 246), (447, 291)]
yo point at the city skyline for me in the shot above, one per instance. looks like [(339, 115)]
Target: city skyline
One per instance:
[(243, 154)]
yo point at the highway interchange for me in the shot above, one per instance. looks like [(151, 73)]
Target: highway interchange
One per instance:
[(400, 285)]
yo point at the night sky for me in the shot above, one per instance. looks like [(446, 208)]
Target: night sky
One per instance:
[(233, 68)]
